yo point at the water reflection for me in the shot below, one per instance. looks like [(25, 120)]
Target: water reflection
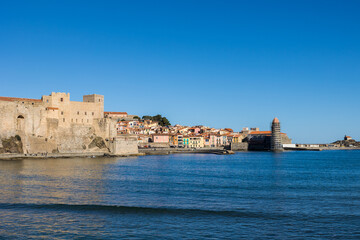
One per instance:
[(53, 180)]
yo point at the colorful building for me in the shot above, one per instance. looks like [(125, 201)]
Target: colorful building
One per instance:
[(186, 141), (160, 138), (196, 141)]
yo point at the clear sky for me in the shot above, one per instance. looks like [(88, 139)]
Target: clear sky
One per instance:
[(216, 63)]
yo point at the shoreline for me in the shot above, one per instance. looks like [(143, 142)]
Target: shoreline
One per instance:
[(148, 152), (18, 156)]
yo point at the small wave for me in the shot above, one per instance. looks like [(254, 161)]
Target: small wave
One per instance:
[(112, 208), (127, 209), (115, 209)]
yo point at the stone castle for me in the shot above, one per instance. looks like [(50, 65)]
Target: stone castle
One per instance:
[(54, 124)]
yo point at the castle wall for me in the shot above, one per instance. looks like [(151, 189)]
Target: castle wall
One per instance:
[(124, 145), (55, 124), (239, 146)]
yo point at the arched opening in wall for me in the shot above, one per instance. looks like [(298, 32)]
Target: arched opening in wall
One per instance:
[(20, 123)]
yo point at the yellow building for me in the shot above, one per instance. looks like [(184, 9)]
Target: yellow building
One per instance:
[(196, 142), (237, 138)]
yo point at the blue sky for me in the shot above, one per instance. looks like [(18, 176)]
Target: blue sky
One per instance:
[(216, 63)]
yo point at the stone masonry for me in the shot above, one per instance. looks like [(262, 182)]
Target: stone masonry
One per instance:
[(54, 124)]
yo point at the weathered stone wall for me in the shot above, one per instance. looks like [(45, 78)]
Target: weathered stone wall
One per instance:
[(124, 145), (154, 145), (56, 125), (11, 145), (239, 146)]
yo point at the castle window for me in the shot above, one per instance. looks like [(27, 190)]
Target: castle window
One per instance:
[(62, 113), (61, 99), (85, 113), (63, 119), (93, 113), (78, 113)]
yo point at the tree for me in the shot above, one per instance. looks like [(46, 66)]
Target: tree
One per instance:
[(163, 121), (146, 117)]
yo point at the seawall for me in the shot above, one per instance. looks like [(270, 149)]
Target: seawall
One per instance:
[(166, 151)]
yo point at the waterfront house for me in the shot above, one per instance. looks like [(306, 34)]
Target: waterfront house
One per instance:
[(206, 141), (160, 138), (173, 140), (186, 140), (196, 141), (215, 140)]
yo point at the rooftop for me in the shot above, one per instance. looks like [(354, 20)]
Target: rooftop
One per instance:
[(116, 113), (13, 99), (261, 133), (276, 120)]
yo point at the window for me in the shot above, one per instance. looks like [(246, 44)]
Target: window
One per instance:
[(85, 113), (63, 119), (61, 99), (78, 113), (47, 101), (62, 113), (93, 113)]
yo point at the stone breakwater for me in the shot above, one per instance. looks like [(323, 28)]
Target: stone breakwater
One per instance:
[(167, 151)]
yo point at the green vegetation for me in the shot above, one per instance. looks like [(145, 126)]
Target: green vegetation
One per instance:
[(163, 121)]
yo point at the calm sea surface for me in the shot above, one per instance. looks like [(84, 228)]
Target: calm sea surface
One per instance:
[(293, 195)]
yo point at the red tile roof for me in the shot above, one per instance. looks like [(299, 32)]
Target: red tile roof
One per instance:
[(116, 113), (12, 99), (261, 133)]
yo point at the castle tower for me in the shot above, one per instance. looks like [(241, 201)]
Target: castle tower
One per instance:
[(276, 144)]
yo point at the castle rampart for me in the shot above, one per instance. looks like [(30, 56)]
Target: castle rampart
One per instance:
[(55, 124)]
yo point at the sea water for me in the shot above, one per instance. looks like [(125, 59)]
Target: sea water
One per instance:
[(250, 195)]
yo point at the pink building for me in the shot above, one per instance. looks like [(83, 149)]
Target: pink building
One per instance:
[(160, 138), (215, 140), (207, 141), (195, 130)]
